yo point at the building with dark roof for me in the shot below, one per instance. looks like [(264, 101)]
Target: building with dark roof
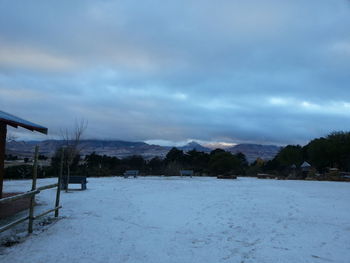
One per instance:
[(13, 121)]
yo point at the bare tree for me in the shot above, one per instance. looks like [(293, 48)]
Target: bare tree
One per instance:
[(72, 146), (11, 137)]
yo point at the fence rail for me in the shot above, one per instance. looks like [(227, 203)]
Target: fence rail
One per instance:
[(47, 212), (35, 190), (12, 224), (47, 187), (19, 196)]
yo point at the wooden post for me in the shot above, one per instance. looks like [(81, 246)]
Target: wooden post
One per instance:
[(32, 199), (68, 175), (3, 131), (58, 193)]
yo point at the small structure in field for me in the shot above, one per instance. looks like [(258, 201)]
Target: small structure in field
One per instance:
[(266, 176), (133, 173), (74, 180), (307, 170), (186, 173), (13, 121), (226, 177), (334, 174), (345, 176), (305, 167)]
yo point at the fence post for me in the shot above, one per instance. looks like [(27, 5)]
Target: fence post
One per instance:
[(32, 198), (68, 175), (58, 193)]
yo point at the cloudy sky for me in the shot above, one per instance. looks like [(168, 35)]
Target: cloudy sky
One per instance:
[(263, 71)]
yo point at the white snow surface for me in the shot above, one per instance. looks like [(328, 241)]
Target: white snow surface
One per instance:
[(180, 220)]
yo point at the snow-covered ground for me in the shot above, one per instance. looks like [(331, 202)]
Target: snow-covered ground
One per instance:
[(180, 220)]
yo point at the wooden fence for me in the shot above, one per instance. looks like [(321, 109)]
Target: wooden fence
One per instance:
[(32, 193)]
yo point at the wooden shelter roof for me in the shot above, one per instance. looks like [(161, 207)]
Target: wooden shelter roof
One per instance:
[(305, 165), (16, 122)]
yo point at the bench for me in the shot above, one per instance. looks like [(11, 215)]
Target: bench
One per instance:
[(221, 176), (265, 176), (74, 180), (186, 172), (133, 173)]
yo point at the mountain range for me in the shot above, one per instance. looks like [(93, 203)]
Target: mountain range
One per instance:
[(123, 149)]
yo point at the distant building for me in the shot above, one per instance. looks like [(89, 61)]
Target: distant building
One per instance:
[(305, 167)]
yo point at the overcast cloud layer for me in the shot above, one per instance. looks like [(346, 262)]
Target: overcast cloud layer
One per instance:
[(271, 71)]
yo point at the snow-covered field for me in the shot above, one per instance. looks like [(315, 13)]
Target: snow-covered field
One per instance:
[(180, 220)]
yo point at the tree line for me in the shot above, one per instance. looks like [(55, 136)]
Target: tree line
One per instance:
[(332, 151), (216, 162), (322, 153)]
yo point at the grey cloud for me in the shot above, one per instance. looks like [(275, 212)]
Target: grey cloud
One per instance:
[(252, 71)]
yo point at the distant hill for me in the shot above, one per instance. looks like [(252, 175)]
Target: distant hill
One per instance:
[(254, 151), (194, 145), (123, 149)]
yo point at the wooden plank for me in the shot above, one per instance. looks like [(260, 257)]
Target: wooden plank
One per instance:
[(19, 196), (32, 199), (47, 212), (3, 131), (47, 187), (8, 226)]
